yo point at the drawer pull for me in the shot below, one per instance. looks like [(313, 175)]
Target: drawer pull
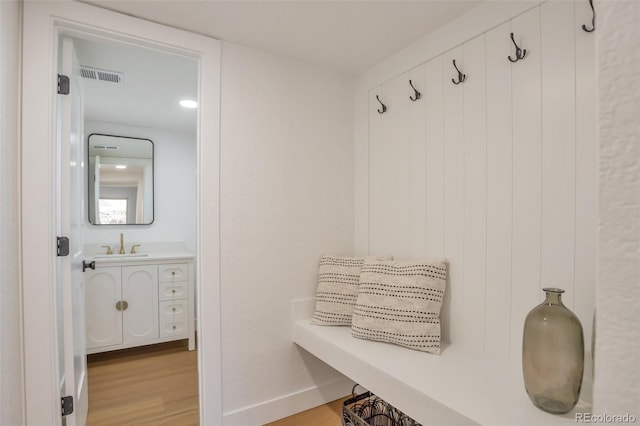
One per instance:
[(173, 291), (173, 272), (174, 327), (174, 309)]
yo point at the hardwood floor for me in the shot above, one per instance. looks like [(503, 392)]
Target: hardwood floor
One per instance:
[(324, 415), (151, 385), (158, 385)]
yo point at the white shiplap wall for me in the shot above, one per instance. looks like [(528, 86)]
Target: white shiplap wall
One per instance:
[(497, 174)]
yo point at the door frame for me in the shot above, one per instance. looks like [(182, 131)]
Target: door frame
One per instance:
[(42, 24)]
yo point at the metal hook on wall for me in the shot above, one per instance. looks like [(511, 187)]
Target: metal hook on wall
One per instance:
[(520, 53), (593, 20), (384, 107), (461, 77), (416, 95)]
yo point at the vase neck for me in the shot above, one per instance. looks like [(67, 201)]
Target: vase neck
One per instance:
[(553, 296)]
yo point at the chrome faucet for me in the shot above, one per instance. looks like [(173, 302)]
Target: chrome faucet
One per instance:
[(121, 244)]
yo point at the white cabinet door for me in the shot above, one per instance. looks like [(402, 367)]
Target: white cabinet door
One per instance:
[(140, 292), (104, 321)]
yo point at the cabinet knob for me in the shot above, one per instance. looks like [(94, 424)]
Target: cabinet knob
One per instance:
[(173, 272), (174, 327), (122, 305), (173, 291)]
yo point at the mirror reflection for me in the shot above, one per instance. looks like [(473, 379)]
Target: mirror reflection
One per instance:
[(120, 180)]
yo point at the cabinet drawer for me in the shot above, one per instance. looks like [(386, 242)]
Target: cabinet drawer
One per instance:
[(173, 272), (173, 291), (173, 318)]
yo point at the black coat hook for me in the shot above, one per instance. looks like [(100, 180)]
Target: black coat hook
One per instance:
[(384, 107), (416, 95), (593, 20), (461, 77), (519, 52)]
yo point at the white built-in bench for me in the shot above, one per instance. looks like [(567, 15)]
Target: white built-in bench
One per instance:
[(450, 389)]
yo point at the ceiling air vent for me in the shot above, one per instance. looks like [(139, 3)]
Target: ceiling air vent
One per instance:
[(98, 74)]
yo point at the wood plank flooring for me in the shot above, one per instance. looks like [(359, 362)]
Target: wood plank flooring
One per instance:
[(151, 385), (158, 385), (324, 415)]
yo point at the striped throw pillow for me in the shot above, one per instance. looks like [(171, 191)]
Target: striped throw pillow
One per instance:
[(399, 303), (338, 279)]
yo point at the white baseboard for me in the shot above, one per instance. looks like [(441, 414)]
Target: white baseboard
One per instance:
[(287, 405)]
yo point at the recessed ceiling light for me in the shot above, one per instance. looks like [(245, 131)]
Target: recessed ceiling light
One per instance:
[(187, 103), (119, 166)]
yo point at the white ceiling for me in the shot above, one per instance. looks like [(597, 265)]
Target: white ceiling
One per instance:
[(152, 87), (347, 36)]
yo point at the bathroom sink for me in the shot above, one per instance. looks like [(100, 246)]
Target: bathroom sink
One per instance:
[(120, 256)]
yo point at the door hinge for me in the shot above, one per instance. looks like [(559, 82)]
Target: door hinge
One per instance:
[(63, 246), (67, 405), (63, 84)]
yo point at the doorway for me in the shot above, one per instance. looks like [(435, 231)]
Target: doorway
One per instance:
[(139, 182), (43, 24)]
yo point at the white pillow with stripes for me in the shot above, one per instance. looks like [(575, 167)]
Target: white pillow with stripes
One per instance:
[(399, 303), (338, 279)]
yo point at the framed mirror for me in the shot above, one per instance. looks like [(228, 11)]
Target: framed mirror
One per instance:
[(120, 180)]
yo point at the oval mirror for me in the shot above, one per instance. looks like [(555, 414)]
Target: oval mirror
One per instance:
[(120, 180)]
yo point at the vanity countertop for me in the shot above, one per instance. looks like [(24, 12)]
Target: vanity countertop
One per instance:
[(141, 257)]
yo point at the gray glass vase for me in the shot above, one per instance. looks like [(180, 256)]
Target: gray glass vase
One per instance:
[(553, 355)]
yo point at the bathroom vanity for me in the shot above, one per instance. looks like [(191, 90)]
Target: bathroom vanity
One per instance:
[(139, 299)]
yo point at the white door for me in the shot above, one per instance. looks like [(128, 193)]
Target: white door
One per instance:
[(72, 210), (140, 312)]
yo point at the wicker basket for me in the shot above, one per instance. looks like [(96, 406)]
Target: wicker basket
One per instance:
[(367, 409)]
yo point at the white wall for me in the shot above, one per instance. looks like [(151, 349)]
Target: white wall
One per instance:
[(286, 199), (617, 361), (11, 366), (497, 174), (174, 190)]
